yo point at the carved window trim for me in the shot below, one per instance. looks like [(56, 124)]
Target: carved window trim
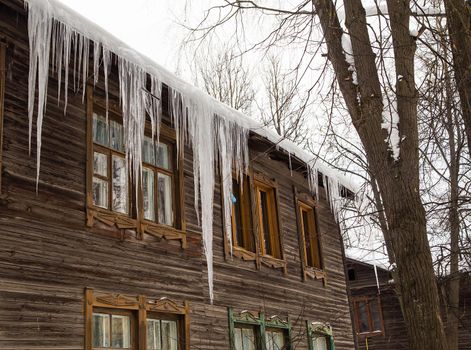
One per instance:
[(260, 323), (139, 307), (316, 329), (368, 300), (135, 220), (305, 202)]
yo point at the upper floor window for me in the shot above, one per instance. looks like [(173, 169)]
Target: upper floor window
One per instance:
[(110, 181), (158, 181), (367, 315), (309, 237), (268, 228), (242, 232), (157, 207)]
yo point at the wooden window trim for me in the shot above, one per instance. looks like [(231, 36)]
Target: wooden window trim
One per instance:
[(262, 182), (356, 312), (238, 251), (322, 329), (261, 324), (305, 201), (139, 307), (135, 221), (3, 49)]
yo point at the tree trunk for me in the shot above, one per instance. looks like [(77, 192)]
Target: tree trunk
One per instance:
[(398, 181), (458, 15)]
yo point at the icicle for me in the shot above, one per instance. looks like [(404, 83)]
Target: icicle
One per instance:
[(67, 47), (106, 69), (39, 31), (96, 61), (85, 57)]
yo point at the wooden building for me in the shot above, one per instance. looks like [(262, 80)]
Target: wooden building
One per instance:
[(88, 263), (376, 310)]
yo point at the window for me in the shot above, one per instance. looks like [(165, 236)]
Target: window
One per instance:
[(110, 181), (157, 208), (242, 233), (244, 337), (111, 330), (320, 336), (309, 236), (112, 322), (157, 182), (268, 230), (249, 331), (367, 314)]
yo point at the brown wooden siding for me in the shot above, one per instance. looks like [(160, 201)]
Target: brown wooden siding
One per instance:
[(48, 255)]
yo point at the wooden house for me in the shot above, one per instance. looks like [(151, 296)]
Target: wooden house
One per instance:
[(376, 310), (89, 260)]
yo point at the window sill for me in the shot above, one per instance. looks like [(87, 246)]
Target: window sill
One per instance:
[(314, 273), (273, 262), (124, 222), (243, 254), (370, 334)]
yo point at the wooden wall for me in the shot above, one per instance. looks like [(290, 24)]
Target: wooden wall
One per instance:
[(48, 255)]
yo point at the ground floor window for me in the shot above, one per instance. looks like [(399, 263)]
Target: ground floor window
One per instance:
[(367, 315), (115, 321), (320, 336), (253, 331)]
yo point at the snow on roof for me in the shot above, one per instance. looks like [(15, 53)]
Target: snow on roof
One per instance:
[(91, 30)]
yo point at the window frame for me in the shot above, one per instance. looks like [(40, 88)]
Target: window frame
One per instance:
[(260, 324), (134, 220), (139, 307), (356, 315), (306, 202), (320, 329)]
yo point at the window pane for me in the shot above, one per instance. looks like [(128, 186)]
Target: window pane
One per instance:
[(148, 151), (100, 130), (363, 317), (101, 330), (120, 185), (120, 331), (165, 199), (277, 340), (153, 335), (307, 238), (238, 339), (248, 339), (236, 200), (100, 193), (116, 136), (373, 303), (163, 151), (148, 194), (265, 223), (169, 335), (320, 342), (100, 164)]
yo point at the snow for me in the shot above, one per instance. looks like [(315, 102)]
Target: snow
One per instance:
[(214, 131), (391, 124), (348, 52)]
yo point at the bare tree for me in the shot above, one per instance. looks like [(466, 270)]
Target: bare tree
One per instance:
[(225, 77), (458, 14), (286, 110)]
